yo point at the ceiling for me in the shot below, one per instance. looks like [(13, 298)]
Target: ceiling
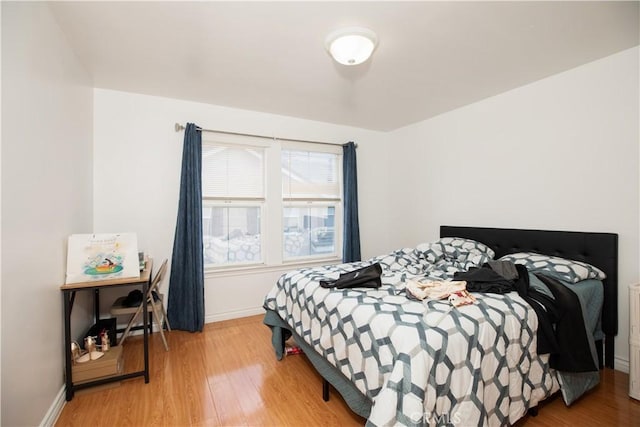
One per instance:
[(432, 57)]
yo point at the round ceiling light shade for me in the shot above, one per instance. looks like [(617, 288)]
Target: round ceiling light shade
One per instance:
[(351, 46)]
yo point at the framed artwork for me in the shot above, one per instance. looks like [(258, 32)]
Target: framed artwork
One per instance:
[(102, 256)]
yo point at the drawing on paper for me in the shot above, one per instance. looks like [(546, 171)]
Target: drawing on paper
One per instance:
[(101, 257)]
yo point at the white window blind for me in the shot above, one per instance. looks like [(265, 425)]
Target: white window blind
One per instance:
[(232, 172), (310, 175)]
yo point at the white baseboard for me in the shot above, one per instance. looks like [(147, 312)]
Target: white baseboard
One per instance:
[(212, 318), (55, 409), (233, 314), (620, 364)]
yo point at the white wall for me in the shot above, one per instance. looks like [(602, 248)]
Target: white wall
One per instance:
[(137, 175), (561, 153), (46, 195)]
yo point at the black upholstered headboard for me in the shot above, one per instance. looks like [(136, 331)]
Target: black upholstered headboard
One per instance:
[(598, 249)]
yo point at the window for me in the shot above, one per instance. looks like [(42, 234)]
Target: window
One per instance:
[(270, 203), (311, 197), (233, 199)]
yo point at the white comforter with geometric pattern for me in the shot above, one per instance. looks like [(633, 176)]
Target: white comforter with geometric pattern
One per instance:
[(421, 363)]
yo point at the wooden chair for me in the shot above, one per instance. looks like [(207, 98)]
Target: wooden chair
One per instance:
[(155, 307)]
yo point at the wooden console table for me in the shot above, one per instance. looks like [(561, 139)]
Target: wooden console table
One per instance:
[(69, 293)]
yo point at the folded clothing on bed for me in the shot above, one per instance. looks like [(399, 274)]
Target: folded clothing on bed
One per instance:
[(433, 289)]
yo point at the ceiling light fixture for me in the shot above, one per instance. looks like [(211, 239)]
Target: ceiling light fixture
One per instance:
[(351, 46)]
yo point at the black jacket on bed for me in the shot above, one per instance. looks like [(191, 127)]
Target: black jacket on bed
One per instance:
[(561, 329), (574, 354)]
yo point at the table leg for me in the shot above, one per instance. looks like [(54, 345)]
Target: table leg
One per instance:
[(96, 305), (67, 345), (145, 290)]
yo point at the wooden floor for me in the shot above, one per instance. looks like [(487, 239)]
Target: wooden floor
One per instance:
[(228, 376)]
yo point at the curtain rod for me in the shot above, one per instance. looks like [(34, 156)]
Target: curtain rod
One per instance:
[(180, 127)]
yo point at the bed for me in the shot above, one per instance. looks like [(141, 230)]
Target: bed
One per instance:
[(472, 366)]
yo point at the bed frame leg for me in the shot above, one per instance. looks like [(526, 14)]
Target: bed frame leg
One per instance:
[(325, 390), (608, 351), (533, 411)]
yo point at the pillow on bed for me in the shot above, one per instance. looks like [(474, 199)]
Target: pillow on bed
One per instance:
[(400, 260), (439, 252), (567, 270), (468, 245)]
